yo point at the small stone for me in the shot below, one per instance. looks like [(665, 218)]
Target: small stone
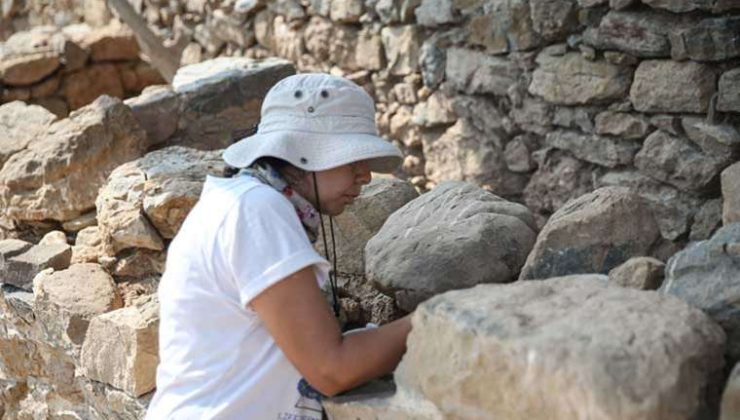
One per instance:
[(624, 125), (517, 156), (601, 150), (707, 220), (642, 273), (729, 91), (20, 269), (435, 111), (731, 194), (77, 224), (56, 237)]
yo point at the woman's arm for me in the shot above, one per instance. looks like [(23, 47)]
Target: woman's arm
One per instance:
[(298, 317)]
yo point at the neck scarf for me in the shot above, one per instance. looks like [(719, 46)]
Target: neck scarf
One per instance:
[(306, 212)]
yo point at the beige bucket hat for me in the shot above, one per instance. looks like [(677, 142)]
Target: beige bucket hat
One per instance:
[(316, 122)]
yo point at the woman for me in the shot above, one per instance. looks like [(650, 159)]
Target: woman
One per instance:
[(243, 318)]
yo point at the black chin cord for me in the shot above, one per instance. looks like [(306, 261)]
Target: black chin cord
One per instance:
[(333, 260)]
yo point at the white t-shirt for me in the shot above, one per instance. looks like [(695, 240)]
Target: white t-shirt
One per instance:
[(217, 360)]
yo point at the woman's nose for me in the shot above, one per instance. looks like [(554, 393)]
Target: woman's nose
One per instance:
[(362, 172)]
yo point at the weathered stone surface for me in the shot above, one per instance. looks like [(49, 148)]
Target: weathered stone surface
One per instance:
[(65, 310), (709, 40), (392, 11), (402, 45), (147, 199), (475, 72), (680, 6), (601, 150), (505, 26), (362, 220), (721, 141), (518, 156), (84, 86), (433, 13), (29, 56), (593, 234), (642, 34), (468, 236), (58, 175), (731, 194), (20, 124), (138, 263), (730, 408), (12, 247), (707, 220), (689, 88), (19, 269), (79, 223), (465, 153), (220, 99), (369, 53), (346, 11), (106, 402), (581, 118), (55, 237), (110, 43), (642, 273), (88, 246), (499, 351), (673, 209), (729, 91), (156, 111), (677, 161), (554, 19), (706, 275), (559, 178), (622, 124), (436, 110), (121, 348), (571, 79)]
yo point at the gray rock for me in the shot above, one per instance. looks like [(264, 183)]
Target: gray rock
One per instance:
[(681, 6), (668, 123), (707, 275), (571, 79), (641, 34), (20, 269), (601, 150), (554, 19), (622, 124), (729, 91), (432, 61), (581, 118), (709, 40), (593, 234), (721, 141), (504, 26), (517, 155), (474, 72), (642, 273), (392, 11), (498, 351), (559, 178), (12, 247), (433, 13), (673, 209), (689, 89), (455, 236), (347, 11), (731, 194), (677, 161), (156, 110), (21, 124), (707, 220)]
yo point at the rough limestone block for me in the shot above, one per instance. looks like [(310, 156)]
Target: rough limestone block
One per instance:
[(593, 234), (121, 348), (66, 301)]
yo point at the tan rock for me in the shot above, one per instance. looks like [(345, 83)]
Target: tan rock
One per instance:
[(85, 86), (499, 351), (642, 273), (29, 56), (731, 194), (88, 246), (64, 310), (139, 264), (402, 45), (55, 237), (20, 124), (79, 223), (689, 89), (111, 43), (369, 53), (348, 11), (287, 41), (437, 110), (121, 348), (19, 270), (58, 175)]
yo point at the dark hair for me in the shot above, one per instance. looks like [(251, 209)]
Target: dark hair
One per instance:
[(277, 163)]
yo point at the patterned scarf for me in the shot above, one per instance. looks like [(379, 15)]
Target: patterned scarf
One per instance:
[(306, 212)]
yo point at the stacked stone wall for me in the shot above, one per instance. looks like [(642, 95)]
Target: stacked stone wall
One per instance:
[(537, 100)]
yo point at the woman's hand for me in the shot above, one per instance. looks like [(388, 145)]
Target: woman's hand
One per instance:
[(300, 321)]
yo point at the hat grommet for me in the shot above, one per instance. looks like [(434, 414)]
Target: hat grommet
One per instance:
[(304, 160), (298, 94), (310, 109), (324, 94)]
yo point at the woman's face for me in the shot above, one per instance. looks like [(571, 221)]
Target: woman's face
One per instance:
[(338, 187)]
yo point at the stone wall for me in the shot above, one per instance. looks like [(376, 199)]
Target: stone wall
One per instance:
[(63, 69), (537, 100)]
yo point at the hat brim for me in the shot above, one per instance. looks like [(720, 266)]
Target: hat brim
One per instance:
[(315, 151)]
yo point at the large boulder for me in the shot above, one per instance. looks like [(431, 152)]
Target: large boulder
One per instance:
[(564, 348), (707, 276), (58, 175), (146, 200), (455, 236), (593, 234), (121, 348)]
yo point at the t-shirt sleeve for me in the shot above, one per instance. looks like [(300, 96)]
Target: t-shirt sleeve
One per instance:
[(263, 242)]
